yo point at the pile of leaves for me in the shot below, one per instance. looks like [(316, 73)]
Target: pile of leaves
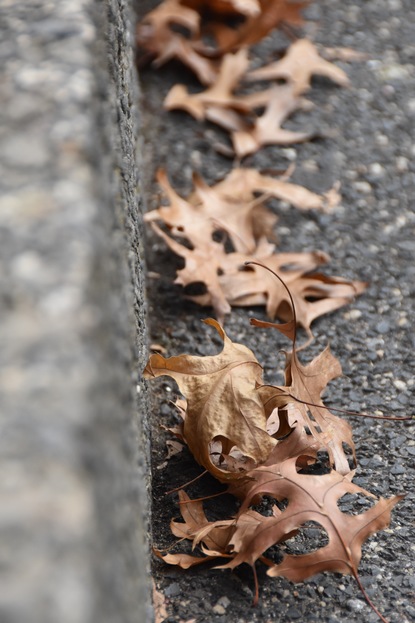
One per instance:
[(218, 228), (226, 225), (263, 441), (176, 30)]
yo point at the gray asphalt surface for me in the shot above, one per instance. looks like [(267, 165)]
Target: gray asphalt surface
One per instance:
[(370, 149)]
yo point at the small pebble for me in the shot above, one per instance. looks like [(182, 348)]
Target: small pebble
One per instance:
[(293, 613), (172, 590), (218, 609), (224, 601), (376, 170), (410, 611), (397, 469), (382, 327), (402, 164), (400, 385), (363, 187), (355, 604)]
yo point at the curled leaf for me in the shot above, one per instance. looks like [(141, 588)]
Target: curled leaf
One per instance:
[(222, 402)]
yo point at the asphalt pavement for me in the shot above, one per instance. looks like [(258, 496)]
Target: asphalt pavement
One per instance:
[(368, 145)]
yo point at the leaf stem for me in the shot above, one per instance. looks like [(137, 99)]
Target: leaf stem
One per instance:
[(344, 411), (186, 484), (208, 497), (366, 596)]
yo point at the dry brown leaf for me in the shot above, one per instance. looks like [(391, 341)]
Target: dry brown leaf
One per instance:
[(207, 210), (347, 55), (202, 265), (294, 412), (171, 12), (159, 605), (158, 347), (185, 561), (256, 27), (161, 44), (249, 535), (304, 385), (310, 498), (232, 68), (301, 62), (219, 96), (222, 402), (246, 222), (255, 286), (267, 129), (228, 282), (173, 448), (242, 183), (226, 7), (195, 520)]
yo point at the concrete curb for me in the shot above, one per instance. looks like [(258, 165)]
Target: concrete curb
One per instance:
[(74, 442)]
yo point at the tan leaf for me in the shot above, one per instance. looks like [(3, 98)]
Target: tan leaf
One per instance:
[(242, 183), (161, 43), (222, 401), (347, 55), (257, 286), (301, 62), (245, 221), (194, 521), (229, 283), (232, 68), (159, 605), (202, 265), (173, 448), (267, 129), (314, 294), (185, 561)]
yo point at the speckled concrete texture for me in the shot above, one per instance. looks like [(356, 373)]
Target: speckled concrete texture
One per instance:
[(72, 333)]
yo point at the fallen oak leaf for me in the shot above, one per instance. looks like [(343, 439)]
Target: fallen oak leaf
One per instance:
[(202, 265), (347, 55), (179, 210), (246, 222), (207, 211), (256, 27), (173, 448), (266, 129), (227, 283), (254, 286), (222, 401), (301, 62), (232, 68), (245, 538), (194, 521), (304, 385), (177, 47), (310, 498), (184, 561), (243, 182), (159, 604), (161, 43)]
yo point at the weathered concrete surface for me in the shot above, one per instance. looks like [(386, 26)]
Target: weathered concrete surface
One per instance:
[(72, 338)]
